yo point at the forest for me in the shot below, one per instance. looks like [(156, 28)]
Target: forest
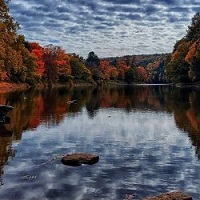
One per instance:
[(27, 62)]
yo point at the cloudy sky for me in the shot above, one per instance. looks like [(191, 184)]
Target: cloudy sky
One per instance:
[(107, 27)]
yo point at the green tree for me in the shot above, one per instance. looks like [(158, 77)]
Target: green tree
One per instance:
[(130, 75), (177, 69), (195, 69), (193, 32), (92, 60), (79, 70)]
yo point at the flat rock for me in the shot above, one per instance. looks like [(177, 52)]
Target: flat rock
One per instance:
[(170, 196), (77, 159)]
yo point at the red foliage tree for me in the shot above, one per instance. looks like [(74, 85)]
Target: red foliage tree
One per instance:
[(105, 69), (141, 74), (37, 53), (121, 68), (56, 63)]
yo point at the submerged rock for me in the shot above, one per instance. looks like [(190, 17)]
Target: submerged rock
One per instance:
[(77, 159), (170, 196)]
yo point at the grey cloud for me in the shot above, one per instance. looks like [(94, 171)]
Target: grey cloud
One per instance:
[(167, 2), (151, 10), (85, 23), (130, 16), (123, 1), (129, 9), (196, 9), (179, 9)]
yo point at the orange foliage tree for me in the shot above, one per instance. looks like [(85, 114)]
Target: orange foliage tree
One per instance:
[(191, 53), (62, 63), (141, 74), (113, 73), (105, 68), (56, 64), (121, 67)]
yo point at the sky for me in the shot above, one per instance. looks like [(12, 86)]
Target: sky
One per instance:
[(107, 27)]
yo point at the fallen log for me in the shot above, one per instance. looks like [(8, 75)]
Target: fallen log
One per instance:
[(77, 159), (176, 195)]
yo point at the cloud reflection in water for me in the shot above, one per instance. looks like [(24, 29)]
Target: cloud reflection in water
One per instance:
[(140, 152)]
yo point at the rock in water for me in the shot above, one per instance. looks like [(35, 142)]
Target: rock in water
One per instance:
[(77, 159), (170, 196)]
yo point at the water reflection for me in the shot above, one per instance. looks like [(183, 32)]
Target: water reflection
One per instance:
[(114, 115), (49, 107), (6, 150)]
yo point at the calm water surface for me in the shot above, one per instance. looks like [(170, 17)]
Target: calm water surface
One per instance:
[(147, 138)]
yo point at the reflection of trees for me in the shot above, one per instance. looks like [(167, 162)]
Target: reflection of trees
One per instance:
[(50, 106), (36, 106), (186, 111), (6, 138), (183, 103), (6, 150), (128, 98), (43, 106)]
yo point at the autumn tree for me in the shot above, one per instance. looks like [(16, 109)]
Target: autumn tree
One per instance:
[(193, 32), (57, 67), (113, 73), (16, 63), (105, 68), (79, 70), (122, 68), (177, 69), (93, 64), (37, 54), (62, 62), (141, 74), (51, 72), (3, 74), (8, 29), (185, 59), (130, 61), (194, 70), (11, 25)]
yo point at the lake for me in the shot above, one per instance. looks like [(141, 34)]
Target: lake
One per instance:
[(147, 139)]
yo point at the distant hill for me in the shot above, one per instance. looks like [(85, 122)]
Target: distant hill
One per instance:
[(138, 60)]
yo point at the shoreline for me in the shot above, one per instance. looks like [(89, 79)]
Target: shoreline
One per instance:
[(6, 87)]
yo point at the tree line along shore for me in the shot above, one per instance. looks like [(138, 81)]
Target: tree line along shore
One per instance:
[(29, 64)]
